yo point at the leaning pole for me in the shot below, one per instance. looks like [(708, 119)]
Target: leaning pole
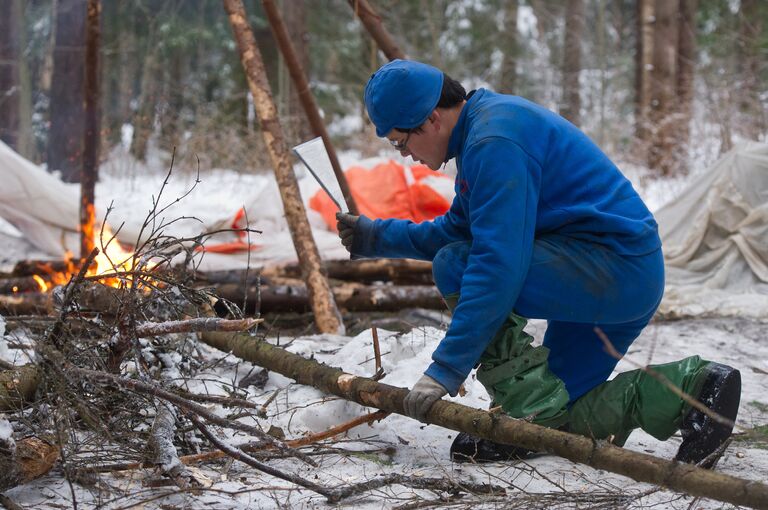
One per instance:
[(327, 316), (642, 467)]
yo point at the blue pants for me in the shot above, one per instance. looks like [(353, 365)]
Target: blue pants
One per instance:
[(576, 286)]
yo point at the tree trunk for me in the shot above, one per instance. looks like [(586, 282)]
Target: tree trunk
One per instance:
[(752, 17), (24, 145), (144, 119), (92, 132), (502, 429), (173, 92), (10, 90), (574, 27), (65, 138), (643, 69), (128, 62), (326, 314), (296, 68), (661, 156), (686, 65), (509, 48), (372, 22), (294, 14)]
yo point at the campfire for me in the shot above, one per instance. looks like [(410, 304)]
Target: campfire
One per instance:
[(113, 262)]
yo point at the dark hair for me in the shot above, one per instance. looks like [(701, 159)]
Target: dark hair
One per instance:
[(452, 94)]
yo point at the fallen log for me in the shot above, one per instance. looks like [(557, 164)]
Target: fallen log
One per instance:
[(642, 467), (45, 267), (18, 285), (18, 387), (24, 460), (349, 296), (399, 271), (29, 303)]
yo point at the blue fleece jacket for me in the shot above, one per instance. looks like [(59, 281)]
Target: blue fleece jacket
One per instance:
[(523, 171)]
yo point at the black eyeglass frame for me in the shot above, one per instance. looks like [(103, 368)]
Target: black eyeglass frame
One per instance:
[(404, 145)]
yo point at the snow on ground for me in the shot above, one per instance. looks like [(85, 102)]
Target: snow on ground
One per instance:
[(397, 444), (401, 445)]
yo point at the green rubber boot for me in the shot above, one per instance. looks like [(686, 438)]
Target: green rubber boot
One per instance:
[(517, 377), (636, 399)]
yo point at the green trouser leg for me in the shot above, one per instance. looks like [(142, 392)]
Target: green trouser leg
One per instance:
[(636, 399), (517, 376)]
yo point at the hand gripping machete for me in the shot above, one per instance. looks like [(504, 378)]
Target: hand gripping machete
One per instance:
[(315, 158)]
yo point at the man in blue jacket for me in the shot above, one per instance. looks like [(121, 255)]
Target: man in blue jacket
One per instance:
[(543, 226)]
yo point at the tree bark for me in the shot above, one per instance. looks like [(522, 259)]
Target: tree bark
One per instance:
[(10, 91), (320, 297), (752, 18), (24, 460), (574, 28), (144, 119), (128, 65), (509, 48), (502, 429), (90, 169), (24, 145), (399, 271), (349, 296), (30, 303), (162, 450), (295, 68), (661, 155), (372, 22), (65, 138), (643, 68), (294, 14), (17, 387), (686, 65)]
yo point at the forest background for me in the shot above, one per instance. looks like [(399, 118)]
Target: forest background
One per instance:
[(643, 78)]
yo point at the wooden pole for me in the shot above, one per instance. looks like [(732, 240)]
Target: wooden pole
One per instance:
[(306, 98), (372, 22), (90, 168), (502, 429), (321, 300)]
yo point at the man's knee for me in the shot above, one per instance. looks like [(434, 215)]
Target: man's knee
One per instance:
[(448, 266)]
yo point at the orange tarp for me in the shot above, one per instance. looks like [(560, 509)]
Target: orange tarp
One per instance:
[(385, 192)]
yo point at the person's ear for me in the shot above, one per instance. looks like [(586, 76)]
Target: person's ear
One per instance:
[(434, 118)]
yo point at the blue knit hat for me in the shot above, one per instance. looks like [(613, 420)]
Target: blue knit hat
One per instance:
[(402, 94)]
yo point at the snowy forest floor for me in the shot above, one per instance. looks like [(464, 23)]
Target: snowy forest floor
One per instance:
[(396, 444), (401, 445)]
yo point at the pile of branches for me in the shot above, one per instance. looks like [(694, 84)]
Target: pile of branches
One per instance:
[(101, 385)]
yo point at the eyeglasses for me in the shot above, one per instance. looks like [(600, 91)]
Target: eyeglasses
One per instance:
[(401, 146)]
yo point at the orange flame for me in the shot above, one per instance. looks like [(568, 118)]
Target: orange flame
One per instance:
[(111, 259), (42, 283)]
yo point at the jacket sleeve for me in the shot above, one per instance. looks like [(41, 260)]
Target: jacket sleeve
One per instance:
[(406, 239), (503, 182)]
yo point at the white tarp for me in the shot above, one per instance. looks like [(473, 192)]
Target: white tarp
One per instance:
[(41, 206), (715, 239)]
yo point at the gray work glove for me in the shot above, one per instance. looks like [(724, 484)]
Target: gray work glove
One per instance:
[(425, 392), (346, 225)]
